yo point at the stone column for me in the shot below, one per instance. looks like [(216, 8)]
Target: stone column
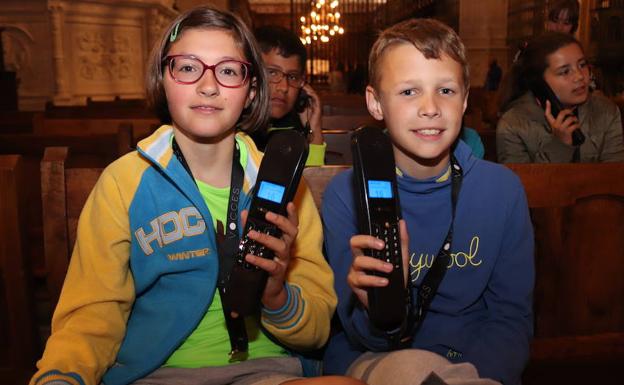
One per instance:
[(61, 93)]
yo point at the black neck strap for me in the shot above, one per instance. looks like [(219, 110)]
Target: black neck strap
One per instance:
[(227, 247), (428, 288)]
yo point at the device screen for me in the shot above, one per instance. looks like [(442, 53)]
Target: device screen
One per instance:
[(379, 189), (271, 191)]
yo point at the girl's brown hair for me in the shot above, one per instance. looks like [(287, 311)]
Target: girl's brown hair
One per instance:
[(254, 116)]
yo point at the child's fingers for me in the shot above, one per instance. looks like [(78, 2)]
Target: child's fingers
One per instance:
[(360, 280), (278, 245), (288, 225), (361, 241), (270, 266), (365, 263), (548, 113)]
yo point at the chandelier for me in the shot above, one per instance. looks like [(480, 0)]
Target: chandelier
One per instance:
[(322, 23)]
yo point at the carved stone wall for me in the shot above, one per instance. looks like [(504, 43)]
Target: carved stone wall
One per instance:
[(68, 50)]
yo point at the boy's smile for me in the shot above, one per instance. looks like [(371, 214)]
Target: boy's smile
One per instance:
[(422, 102)]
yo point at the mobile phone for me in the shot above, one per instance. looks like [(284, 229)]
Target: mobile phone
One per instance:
[(379, 213), (303, 101), (542, 91), (278, 178)]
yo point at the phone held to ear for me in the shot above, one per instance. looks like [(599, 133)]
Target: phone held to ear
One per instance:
[(303, 101), (278, 177), (542, 91)]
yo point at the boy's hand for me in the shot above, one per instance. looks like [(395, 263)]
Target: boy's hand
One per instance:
[(313, 112), (359, 277), (563, 126), (274, 295)]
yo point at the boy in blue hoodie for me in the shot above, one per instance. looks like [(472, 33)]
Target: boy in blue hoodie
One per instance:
[(478, 326)]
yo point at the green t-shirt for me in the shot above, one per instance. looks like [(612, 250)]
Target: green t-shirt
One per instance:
[(209, 343)]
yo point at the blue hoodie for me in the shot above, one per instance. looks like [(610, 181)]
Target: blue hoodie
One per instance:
[(482, 312)]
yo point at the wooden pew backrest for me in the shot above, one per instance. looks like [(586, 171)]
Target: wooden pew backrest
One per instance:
[(578, 216), (317, 179), (18, 341), (64, 192), (338, 150)]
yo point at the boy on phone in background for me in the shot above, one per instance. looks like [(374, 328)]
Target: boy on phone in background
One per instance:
[(293, 103), (478, 326)]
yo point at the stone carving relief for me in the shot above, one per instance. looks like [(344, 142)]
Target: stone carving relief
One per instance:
[(107, 56), (104, 57)]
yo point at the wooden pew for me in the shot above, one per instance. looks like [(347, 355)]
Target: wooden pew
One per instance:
[(338, 150), (89, 148), (577, 212), (18, 341), (119, 108), (317, 179), (16, 122), (347, 122), (64, 191), (140, 127)]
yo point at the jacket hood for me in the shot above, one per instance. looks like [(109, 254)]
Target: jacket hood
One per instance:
[(157, 149)]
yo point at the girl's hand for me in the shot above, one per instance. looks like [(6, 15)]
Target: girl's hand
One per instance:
[(274, 295), (359, 277), (563, 126), (313, 112)]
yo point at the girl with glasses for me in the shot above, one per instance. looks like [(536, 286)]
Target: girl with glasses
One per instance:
[(140, 303)]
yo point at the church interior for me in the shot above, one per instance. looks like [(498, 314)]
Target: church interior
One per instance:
[(72, 76)]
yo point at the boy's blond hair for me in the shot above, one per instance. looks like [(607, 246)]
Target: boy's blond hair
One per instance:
[(431, 37)]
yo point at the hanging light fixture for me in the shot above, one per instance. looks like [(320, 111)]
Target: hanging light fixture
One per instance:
[(322, 23)]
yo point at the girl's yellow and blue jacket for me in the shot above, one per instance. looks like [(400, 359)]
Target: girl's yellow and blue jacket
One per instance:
[(144, 270)]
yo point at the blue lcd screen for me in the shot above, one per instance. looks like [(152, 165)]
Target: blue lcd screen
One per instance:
[(379, 189), (271, 191)]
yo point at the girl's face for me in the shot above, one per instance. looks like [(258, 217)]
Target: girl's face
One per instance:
[(206, 110), (568, 75)]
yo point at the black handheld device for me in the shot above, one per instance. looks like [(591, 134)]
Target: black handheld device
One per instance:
[(379, 212), (303, 101), (278, 177), (542, 91)]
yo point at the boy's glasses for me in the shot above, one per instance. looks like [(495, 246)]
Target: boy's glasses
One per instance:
[(294, 80), (187, 69)]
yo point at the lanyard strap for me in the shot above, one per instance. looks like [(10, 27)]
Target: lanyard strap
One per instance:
[(227, 248), (401, 337), (433, 277)]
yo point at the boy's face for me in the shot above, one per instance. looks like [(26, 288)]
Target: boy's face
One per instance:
[(283, 95), (422, 102)]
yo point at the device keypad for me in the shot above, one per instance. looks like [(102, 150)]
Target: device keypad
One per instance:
[(389, 233)]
